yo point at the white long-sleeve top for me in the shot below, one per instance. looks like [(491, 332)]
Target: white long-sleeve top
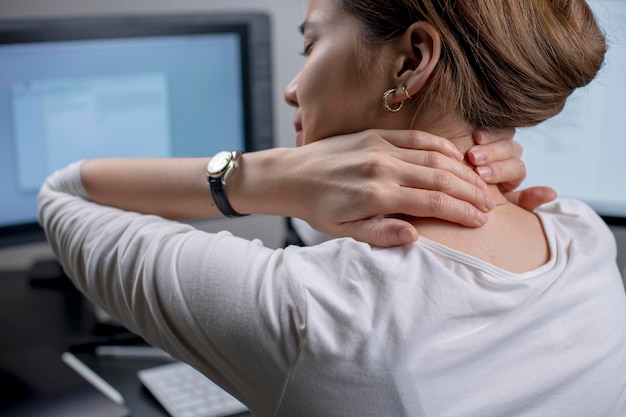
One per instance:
[(344, 329)]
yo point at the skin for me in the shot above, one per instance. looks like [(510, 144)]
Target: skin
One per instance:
[(349, 184), (330, 99)]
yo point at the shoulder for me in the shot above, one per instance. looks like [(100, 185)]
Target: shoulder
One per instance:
[(326, 258), (572, 212), (576, 220), (334, 255), (345, 269)]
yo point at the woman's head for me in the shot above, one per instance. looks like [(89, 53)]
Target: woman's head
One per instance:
[(504, 63), (495, 63)]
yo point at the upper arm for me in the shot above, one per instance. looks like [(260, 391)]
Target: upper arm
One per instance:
[(230, 307)]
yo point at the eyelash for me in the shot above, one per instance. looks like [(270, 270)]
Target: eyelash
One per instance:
[(306, 51)]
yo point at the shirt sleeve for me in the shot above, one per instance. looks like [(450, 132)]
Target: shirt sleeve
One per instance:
[(232, 308)]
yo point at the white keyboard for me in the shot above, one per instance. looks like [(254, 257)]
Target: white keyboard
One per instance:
[(185, 392)]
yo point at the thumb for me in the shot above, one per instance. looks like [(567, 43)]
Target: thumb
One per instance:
[(382, 232), (532, 197)]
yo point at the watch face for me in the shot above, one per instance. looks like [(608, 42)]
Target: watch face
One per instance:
[(219, 163)]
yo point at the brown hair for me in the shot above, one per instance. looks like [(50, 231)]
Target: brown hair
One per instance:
[(504, 63)]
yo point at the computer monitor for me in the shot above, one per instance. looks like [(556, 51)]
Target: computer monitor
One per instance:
[(133, 86), (582, 151)]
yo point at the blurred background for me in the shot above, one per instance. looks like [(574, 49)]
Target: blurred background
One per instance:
[(286, 16)]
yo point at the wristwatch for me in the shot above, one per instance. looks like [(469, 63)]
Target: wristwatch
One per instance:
[(217, 172)]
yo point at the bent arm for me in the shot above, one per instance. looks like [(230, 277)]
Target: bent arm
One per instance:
[(343, 186), (177, 188), (340, 185)]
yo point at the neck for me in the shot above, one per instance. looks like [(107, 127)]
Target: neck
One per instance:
[(456, 130), (460, 133)]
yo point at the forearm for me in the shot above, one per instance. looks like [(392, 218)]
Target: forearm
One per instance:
[(177, 188), (172, 188), (342, 186)]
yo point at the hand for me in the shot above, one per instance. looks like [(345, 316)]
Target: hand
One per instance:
[(364, 176), (498, 161)]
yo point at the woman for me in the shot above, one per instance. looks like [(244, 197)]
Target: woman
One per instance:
[(524, 316)]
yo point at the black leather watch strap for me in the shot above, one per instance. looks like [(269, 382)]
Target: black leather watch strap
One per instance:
[(219, 169), (221, 201)]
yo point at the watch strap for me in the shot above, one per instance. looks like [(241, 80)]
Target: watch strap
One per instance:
[(221, 200), (217, 176)]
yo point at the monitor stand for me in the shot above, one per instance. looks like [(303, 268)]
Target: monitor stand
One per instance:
[(48, 273)]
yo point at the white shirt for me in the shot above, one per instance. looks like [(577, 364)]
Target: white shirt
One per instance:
[(344, 329)]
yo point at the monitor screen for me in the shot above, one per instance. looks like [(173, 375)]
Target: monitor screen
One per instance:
[(580, 152), (143, 86)]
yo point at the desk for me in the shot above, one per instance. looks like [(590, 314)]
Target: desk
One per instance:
[(51, 318)]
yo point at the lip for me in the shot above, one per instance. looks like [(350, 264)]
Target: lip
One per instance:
[(298, 127)]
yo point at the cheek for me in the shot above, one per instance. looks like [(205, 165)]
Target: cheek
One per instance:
[(321, 102), (333, 98)]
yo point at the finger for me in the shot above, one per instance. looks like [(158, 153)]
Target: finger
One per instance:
[(508, 174), (457, 182), (436, 161), (383, 232), (485, 136), (436, 204), (418, 140), (481, 155), (422, 191), (532, 197)]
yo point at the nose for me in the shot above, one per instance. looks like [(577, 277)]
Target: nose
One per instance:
[(291, 96)]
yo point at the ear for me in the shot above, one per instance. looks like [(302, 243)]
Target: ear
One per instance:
[(419, 50)]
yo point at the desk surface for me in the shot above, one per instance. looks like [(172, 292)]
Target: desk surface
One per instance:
[(54, 318)]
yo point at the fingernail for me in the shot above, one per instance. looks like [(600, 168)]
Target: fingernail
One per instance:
[(485, 172), (406, 236), (481, 184), (482, 217), (480, 156)]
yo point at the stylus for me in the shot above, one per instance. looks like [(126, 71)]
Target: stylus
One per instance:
[(93, 378), (132, 352)]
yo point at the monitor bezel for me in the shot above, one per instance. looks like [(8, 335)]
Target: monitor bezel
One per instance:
[(614, 221), (254, 29)]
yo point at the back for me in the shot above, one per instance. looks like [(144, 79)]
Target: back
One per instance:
[(430, 331)]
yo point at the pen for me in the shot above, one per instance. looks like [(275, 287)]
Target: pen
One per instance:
[(93, 378)]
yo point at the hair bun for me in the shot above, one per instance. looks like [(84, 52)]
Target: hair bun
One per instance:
[(504, 63)]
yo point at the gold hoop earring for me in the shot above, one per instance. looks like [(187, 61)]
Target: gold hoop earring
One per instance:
[(386, 101), (406, 93)]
